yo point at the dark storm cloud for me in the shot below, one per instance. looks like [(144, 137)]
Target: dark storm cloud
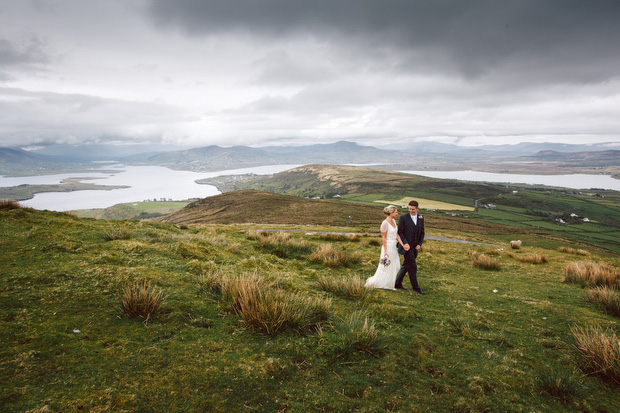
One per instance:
[(575, 40)]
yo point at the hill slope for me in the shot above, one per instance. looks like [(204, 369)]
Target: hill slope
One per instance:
[(329, 180), (478, 341), (251, 206)]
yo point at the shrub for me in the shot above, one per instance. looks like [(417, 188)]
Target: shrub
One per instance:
[(600, 350), (116, 233), (349, 287), (606, 298), (560, 384), (483, 261), (6, 204), (591, 274), (141, 300), (359, 334), (332, 257)]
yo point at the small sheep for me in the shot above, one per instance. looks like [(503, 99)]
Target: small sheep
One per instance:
[(515, 245)]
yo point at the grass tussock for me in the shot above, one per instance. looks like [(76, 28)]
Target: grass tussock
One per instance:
[(340, 237), (348, 287), (484, 261), (531, 258), (116, 234), (606, 298), (574, 251), (562, 385), (282, 244), (7, 204), (358, 334), (434, 248), (142, 300), (273, 311), (263, 307), (591, 274), (600, 350), (333, 257)]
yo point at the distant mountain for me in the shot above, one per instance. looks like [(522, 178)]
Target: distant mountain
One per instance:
[(520, 149), (19, 161), (216, 157), (102, 152), (606, 158)]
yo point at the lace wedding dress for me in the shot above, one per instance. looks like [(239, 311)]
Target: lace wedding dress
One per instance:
[(385, 276)]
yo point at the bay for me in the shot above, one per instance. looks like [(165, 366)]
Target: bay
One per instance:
[(145, 183), (572, 181)]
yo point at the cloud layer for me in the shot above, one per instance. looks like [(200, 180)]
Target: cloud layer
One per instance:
[(243, 72)]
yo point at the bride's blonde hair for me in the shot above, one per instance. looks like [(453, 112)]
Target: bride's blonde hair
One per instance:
[(389, 209)]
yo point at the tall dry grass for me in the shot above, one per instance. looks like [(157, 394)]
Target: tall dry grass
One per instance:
[(340, 237), (267, 309), (116, 234), (591, 274), (141, 300), (574, 251), (483, 261), (282, 244), (606, 298), (6, 204), (600, 350), (333, 257), (348, 287), (530, 258)]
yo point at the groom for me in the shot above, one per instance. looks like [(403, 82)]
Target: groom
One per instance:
[(411, 231)]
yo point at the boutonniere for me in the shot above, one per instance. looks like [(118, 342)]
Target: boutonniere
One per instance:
[(420, 216)]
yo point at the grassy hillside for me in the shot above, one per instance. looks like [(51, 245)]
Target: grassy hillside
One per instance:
[(274, 321), (529, 208), (133, 210), (256, 207)]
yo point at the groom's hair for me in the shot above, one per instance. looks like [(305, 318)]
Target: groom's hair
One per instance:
[(413, 203)]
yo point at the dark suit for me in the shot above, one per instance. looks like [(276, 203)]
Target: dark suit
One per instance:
[(413, 235)]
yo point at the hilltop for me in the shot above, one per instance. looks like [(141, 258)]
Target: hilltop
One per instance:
[(330, 180), (279, 321)]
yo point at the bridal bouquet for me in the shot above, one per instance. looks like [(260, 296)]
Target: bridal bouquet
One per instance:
[(385, 261)]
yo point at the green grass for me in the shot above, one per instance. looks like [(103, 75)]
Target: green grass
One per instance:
[(133, 210), (478, 341)]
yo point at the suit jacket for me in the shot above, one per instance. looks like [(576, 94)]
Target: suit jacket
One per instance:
[(409, 232)]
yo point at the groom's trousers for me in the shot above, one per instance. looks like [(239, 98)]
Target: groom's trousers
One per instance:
[(409, 266)]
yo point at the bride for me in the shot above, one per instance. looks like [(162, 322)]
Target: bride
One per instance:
[(389, 264)]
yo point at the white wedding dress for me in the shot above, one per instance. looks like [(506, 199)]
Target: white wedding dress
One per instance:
[(385, 276)]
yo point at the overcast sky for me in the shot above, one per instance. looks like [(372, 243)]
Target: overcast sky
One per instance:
[(264, 72)]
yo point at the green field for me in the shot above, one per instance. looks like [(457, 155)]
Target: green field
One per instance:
[(478, 341), (133, 210)]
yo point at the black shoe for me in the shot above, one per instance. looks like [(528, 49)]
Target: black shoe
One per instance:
[(420, 292), (400, 288)]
